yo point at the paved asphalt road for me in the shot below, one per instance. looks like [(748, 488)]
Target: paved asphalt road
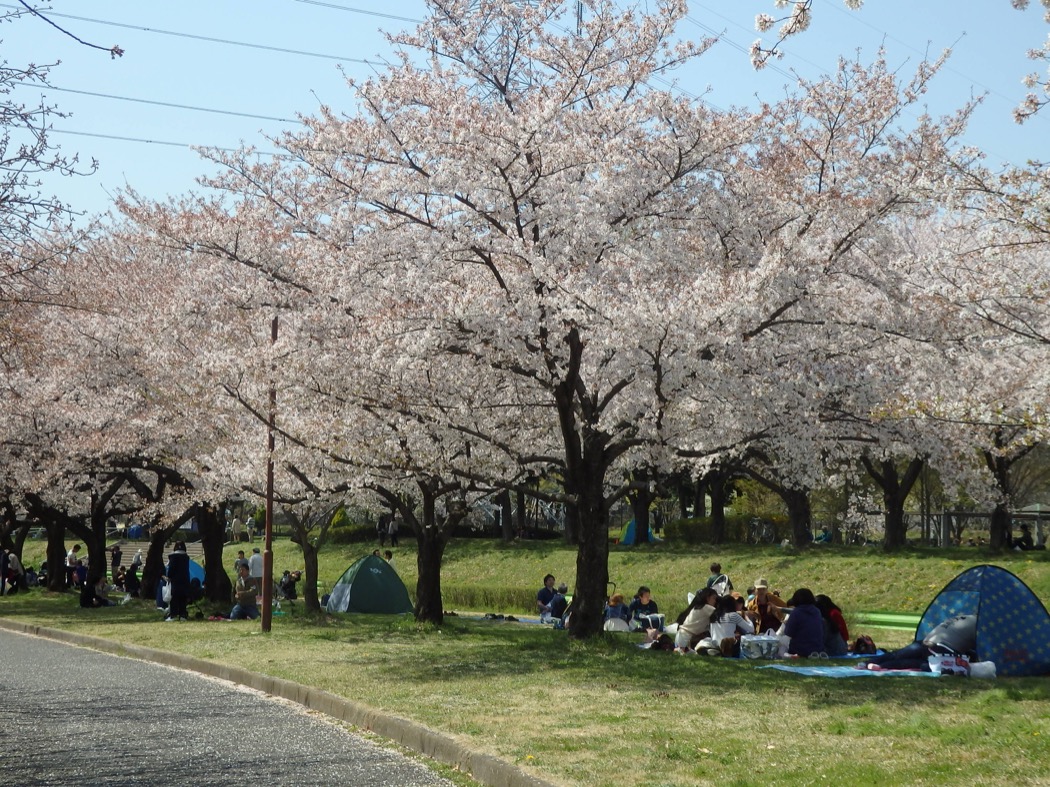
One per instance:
[(73, 716)]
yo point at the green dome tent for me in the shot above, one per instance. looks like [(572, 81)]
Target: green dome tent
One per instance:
[(370, 585)]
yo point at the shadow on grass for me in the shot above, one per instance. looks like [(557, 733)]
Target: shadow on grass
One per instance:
[(465, 649)]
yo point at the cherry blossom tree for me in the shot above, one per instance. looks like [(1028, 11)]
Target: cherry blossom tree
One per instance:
[(798, 16)]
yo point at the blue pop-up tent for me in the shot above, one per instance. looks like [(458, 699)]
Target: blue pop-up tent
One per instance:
[(630, 536), (1013, 626)]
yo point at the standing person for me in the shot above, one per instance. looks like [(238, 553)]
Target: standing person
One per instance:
[(250, 527), (179, 578), (114, 562), (244, 606), (71, 565), (381, 530), (237, 563), (544, 597), (392, 531), (237, 528), (255, 569), (764, 608)]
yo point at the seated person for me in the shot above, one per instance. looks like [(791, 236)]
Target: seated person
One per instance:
[(694, 622), (32, 580), (719, 581), (836, 634), (80, 574), (132, 583), (102, 592), (118, 578), (544, 596), (1024, 541), (616, 608), (244, 596), (94, 594), (764, 608), (805, 625), (196, 591), (824, 537), (728, 624), (644, 611), (559, 603), (287, 584)]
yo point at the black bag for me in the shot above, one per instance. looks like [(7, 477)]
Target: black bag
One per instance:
[(864, 645)]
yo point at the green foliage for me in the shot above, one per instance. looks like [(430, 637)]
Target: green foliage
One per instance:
[(348, 530), (739, 529), (755, 500)]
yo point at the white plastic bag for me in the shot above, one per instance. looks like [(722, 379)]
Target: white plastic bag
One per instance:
[(949, 664)]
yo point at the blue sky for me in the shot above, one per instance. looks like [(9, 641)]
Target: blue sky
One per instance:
[(189, 53)]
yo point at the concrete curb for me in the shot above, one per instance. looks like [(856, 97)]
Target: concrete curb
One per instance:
[(484, 768)]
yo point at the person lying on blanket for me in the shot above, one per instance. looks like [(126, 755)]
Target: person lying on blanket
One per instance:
[(955, 635)]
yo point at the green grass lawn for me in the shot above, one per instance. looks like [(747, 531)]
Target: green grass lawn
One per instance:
[(607, 713)]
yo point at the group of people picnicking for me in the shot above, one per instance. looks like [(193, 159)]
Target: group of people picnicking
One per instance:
[(175, 590), (717, 616)]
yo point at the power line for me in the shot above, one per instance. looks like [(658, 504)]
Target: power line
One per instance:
[(187, 145), (205, 38), (360, 11), (162, 103)]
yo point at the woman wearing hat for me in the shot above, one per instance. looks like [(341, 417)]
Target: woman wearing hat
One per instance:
[(764, 608)]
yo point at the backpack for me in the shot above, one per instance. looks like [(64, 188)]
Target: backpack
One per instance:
[(722, 585), (864, 645)]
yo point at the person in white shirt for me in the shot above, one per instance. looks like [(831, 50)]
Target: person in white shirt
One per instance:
[(695, 622), (727, 622), (255, 569)]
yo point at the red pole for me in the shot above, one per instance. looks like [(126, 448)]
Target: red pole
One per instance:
[(267, 588)]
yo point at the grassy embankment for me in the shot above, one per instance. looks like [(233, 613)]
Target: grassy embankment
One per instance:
[(606, 713)]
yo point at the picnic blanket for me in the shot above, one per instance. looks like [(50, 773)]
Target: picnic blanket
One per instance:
[(848, 672)]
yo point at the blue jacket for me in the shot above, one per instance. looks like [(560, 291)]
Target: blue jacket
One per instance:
[(805, 626)]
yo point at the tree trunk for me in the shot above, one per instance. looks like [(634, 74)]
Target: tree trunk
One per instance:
[(56, 556), (586, 485), (506, 516), (154, 567), (572, 525), (212, 529), (800, 515), (519, 524), (684, 491), (640, 502), (700, 499), (895, 490), (95, 540), (431, 543), (592, 569), (432, 538), (310, 600), (717, 487), (1001, 527)]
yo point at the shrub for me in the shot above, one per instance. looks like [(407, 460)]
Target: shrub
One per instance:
[(346, 531), (697, 530)]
